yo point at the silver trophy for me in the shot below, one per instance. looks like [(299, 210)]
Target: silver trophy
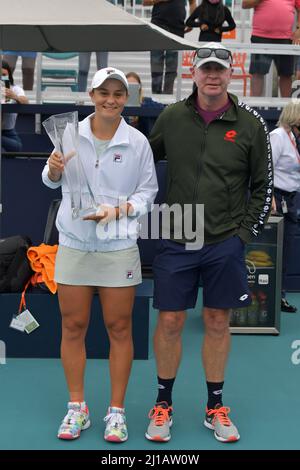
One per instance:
[(63, 132)]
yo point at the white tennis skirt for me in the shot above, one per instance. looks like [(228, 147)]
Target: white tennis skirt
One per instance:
[(120, 268)]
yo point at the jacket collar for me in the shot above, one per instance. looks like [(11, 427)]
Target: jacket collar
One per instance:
[(230, 115), (121, 136)]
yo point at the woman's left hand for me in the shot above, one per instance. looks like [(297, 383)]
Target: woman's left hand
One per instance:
[(104, 214), (10, 94), (204, 27)]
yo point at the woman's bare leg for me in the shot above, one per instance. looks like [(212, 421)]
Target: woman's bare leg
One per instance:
[(75, 304), (117, 305)]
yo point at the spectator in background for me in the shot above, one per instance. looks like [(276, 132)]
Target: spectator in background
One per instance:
[(273, 24), (210, 17), (285, 142), (84, 66), (11, 142), (28, 65), (169, 15), (143, 123), (85, 60)]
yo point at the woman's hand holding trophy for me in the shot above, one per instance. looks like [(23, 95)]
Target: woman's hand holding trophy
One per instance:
[(56, 166)]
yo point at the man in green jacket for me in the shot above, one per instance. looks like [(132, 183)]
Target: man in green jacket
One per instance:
[(219, 156)]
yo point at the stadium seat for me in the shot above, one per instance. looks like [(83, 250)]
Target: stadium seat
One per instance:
[(60, 77)]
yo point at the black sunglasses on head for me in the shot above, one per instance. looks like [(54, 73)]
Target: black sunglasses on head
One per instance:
[(205, 52)]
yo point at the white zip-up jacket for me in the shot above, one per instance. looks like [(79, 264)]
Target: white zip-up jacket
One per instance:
[(126, 170)]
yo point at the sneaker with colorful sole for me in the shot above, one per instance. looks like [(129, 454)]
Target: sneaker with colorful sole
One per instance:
[(76, 420), (116, 428)]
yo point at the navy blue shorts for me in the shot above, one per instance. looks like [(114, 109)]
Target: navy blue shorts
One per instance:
[(221, 265)]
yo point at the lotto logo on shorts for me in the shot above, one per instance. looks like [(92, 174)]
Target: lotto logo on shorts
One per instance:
[(129, 275), (244, 297), (117, 158)]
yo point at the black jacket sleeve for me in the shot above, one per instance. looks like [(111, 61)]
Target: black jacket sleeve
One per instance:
[(194, 20), (261, 185), (229, 20), (156, 138)]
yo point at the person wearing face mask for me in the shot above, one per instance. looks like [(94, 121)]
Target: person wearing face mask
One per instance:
[(285, 142), (118, 163), (11, 142), (210, 17)]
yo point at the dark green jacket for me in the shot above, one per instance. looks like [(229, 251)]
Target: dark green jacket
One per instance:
[(226, 165)]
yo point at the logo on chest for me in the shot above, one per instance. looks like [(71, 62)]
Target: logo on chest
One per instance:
[(117, 158), (230, 136)]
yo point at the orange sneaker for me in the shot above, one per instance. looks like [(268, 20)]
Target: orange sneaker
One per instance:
[(160, 422), (217, 419)]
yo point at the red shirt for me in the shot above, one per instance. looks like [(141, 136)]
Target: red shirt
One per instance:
[(209, 116)]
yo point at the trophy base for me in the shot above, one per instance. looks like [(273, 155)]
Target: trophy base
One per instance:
[(80, 213)]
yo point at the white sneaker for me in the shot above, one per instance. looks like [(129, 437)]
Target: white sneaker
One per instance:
[(76, 420), (116, 429)]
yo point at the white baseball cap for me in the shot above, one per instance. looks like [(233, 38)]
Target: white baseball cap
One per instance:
[(108, 72), (213, 52)]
